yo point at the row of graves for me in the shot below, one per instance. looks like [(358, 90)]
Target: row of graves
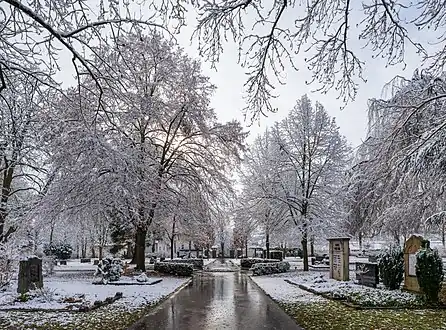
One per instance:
[(367, 273)]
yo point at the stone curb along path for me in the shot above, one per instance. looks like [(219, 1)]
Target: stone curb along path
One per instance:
[(156, 305)]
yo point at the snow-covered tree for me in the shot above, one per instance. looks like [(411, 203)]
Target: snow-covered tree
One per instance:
[(402, 163)]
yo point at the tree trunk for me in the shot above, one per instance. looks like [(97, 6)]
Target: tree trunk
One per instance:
[(442, 234), (190, 248), (360, 241), (140, 249), (51, 233), (101, 251), (267, 246), (93, 252), (246, 248), (153, 244), (172, 242), (222, 245), (305, 247), (312, 246)]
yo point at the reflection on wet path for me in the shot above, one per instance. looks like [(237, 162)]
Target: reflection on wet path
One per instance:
[(218, 301)]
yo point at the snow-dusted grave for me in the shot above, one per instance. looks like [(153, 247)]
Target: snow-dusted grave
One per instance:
[(47, 309), (353, 293), (58, 290)]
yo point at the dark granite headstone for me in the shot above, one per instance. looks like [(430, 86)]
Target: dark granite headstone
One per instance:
[(367, 274), (63, 262), (96, 262), (85, 260), (30, 275)]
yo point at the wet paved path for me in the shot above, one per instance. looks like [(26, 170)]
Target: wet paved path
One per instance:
[(215, 301)]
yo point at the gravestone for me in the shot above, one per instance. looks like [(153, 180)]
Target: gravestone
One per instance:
[(411, 247), (367, 273), (63, 262), (339, 258), (96, 262), (85, 260), (30, 275)]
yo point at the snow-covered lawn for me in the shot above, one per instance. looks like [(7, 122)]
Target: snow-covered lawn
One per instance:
[(281, 291), (320, 282), (64, 285)]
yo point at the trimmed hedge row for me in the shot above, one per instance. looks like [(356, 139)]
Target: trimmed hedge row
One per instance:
[(249, 262), (196, 263), (174, 268), (270, 268)]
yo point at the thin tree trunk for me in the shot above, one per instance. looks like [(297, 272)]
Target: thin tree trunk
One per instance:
[(267, 245), (101, 251), (172, 242), (140, 248), (305, 247), (312, 246), (93, 252), (360, 240), (442, 234)]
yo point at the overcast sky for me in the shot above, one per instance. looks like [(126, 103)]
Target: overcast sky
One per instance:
[(229, 78)]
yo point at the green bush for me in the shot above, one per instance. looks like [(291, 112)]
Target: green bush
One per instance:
[(391, 267), (270, 268), (195, 262), (248, 262), (173, 268), (61, 251), (429, 270)]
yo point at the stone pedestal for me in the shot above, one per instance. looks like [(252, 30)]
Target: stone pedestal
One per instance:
[(30, 275), (411, 247), (339, 258)]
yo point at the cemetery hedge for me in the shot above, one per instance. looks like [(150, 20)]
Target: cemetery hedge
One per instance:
[(196, 263), (179, 269), (248, 262), (270, 268)]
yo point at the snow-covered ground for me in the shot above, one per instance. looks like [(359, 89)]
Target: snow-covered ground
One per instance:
[(279, 290), (75, 284), (58, 288)]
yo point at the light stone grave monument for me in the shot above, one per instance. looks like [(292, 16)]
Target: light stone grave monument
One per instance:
[(411, 247), (339, 258)]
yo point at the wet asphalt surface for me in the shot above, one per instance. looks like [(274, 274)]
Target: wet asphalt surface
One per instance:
[(219, 300)]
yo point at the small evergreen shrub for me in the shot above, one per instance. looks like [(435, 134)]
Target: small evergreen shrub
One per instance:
[(174, 268), (270, 268), (195, 262), (61, 251), (109, 269), (391, 267), (248, 262), (429, 270)]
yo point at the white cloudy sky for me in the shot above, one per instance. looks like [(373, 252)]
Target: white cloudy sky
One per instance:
[(352, 120), (229, 78)]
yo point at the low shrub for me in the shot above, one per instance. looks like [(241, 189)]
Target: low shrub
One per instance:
[(59, 250), (196, 263), (270, 268), (249, 262), (391, 267), (429, 270), (109, 269), (174, 268)]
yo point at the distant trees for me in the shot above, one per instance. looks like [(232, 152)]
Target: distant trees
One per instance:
[(297, 173)]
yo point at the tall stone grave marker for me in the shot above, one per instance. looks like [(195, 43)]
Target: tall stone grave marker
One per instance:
[(339, 258), (30, 275), (412, 245)]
